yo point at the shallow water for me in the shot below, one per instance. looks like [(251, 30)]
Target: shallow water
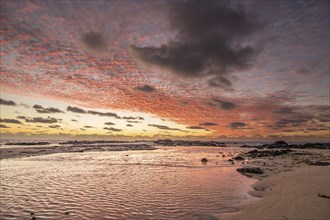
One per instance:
[(167, 183)]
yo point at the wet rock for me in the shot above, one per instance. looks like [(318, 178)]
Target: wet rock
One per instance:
[(323, 196), (267, 153), (238, 158), (279, 144), (204, 160), (318, 163), (251, 170)]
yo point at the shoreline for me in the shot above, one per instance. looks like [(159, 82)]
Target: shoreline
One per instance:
[(292, 187), (290, 195)]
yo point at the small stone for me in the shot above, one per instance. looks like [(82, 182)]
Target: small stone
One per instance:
[(204, 160)]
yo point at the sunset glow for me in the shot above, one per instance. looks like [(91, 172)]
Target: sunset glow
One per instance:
[(134, 70)]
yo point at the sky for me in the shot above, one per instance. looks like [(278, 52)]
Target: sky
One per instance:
[(213, 70)]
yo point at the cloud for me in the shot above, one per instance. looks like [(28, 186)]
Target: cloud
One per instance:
[(317, 129), (48, 120), (129, 125), (7, 102), (11, 121), (145, 88), (285, 110), (87, 126), (109, 123), (112, 129), (75, 109), (4, 126), (108, 114), (130, 121), (54, 126), (208, 124), (50, 110), (129, 118), (21, 117), (163, 127), (222, 104), (94, 42), (74, 120), (195, 127), (208, 41), (236, 125), (290, 122)]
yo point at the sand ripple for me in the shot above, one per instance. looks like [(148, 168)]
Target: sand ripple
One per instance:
[(162, 184)]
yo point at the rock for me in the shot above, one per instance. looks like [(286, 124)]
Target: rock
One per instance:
[(231, 160), (318, 163), (66, 213), (323, 196), (33, 218), (267, 153), (32, 213), (253, 170), (238, 158), (204, 160), (279, 144)]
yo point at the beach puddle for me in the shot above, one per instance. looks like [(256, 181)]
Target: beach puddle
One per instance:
[(167, 183)]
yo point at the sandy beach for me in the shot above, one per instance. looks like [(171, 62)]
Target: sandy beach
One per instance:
[(290, 190), (292, 183)]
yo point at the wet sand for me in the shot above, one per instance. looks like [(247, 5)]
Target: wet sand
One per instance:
[(293, 185), (20, 152), (290, 188)]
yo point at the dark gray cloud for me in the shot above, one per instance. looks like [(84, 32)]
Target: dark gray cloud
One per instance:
[(145, 88), (94, 42), (112, 129), (54, 126), (109, 123), (7, 102), (208, 42), (285, 110), (208, 124), (222, 104), (163, 127), (132, 121), (21, 117), (108, 114), (50, 110), (75, 109), (48, 120), (10, 121), (87, 126), (282, 123), (236, 125), (4, 126), (196, 127), (317, 129), (129, 125), (74, 120), (129, 118)]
